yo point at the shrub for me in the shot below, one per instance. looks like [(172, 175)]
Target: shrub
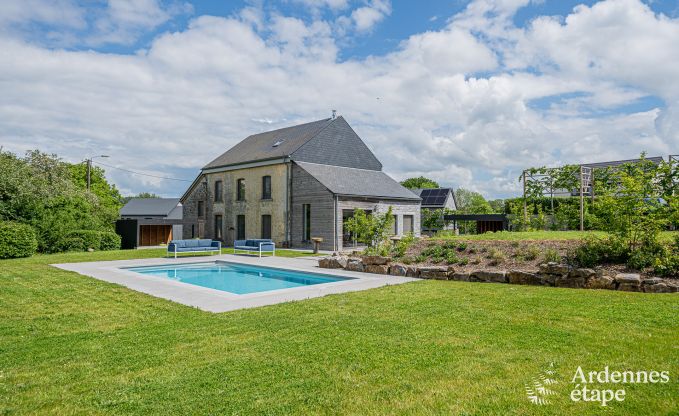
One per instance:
[(402, 246), (452, 258), (496, 256), (420, 259), (16, 240), (463, 261), (595, 251), (408, 260), (552, 255), (462, 246), (109, 241), (81, 240), (667, 262), (72, 244)]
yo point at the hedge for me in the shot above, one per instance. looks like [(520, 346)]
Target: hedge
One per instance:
[(81, 240), (17, 240)]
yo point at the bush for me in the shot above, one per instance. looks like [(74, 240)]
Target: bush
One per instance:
[(109, 241), (552, 256), (452, 258), (402, 246), (667, 262), (16, 240), (72, 244), (595, 251), (81, 240)]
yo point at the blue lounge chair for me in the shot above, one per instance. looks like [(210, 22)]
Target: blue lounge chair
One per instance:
[(260, 246), (193, 246)]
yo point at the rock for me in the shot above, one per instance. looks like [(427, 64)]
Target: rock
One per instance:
[(412, 271), (375, 260), (584, 273), (554, 268), (398, 270), (659, 288), (548, 279), (488, 276), (600, 282), (377, 268), (652, 281), (519, 277), (90, 250), (629, 287), (459, 276), (434, 272), (333, 262), (628, 282), (355, 265), (628, 278), (568, 281)]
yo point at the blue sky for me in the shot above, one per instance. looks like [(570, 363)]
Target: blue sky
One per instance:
[(468, 93)]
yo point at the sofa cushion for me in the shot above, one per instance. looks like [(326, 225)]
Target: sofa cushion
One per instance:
[(204, 242), (192, 243), (178, 243)]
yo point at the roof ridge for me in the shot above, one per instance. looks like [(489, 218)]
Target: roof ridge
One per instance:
[(338, 166), (315, 133), (287, 127)]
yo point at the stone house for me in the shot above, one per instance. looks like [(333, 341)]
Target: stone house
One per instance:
[(294, 184)]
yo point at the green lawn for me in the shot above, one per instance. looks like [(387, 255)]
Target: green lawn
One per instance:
[(70, 344), (540, 235)]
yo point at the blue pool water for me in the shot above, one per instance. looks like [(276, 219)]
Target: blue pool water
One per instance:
[(236, 278)]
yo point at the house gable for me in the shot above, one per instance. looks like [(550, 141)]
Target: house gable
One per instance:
[(338, 145)]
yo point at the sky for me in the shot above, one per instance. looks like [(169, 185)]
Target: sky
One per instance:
[(466, 93)]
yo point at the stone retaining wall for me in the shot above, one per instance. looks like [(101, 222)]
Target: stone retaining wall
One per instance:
[(549, 274)]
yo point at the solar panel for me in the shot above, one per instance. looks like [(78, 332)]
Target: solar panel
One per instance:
[(434, 196)]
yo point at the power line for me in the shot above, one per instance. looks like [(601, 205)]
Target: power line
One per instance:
[(143, 174)]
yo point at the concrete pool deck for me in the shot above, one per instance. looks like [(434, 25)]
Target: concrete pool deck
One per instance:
[(213, 300)]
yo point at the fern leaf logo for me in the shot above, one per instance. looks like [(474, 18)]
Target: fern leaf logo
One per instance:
[(537, 390)]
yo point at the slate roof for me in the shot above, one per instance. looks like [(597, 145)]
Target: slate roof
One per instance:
[(357, 182), (261, 146), (156, 207)]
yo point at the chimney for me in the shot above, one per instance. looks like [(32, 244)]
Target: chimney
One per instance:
[(334, 114)]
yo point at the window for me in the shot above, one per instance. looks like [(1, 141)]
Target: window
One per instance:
[(219, 191), (218, 227), (201, 208), (266, 226), (193, 231), (240, 190), (394, 226), (306, 225), (240, 227), (266, 187), (408, 224)]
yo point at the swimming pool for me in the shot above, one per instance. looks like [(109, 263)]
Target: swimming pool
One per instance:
[(239, 279)]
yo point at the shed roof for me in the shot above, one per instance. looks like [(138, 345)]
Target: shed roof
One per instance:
[(357, 182), (157, 207)]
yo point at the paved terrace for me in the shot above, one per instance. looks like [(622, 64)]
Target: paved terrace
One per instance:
[(213, 300)]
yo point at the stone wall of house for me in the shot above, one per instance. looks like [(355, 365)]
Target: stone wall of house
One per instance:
[(194, 225), (399, 208), (253, 207)]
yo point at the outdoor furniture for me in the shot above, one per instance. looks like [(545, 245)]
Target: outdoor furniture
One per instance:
[(260, 245), (193, 246), (317, 243)]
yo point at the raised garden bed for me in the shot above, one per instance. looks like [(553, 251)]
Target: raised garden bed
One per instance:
[(526, 262)]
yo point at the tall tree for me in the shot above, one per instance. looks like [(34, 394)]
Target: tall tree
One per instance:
[(420, 183), (470, 202)]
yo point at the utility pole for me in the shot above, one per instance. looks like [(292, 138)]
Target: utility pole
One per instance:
[(582, 200), (525, 205), (89, 169)]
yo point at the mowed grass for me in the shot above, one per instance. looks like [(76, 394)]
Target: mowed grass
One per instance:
[(541, 235), (70, 344)]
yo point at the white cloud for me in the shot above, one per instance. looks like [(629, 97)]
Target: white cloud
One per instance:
[(455, 104), (365, 18)]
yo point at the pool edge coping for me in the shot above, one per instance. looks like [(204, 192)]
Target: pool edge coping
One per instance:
[(213, 300)]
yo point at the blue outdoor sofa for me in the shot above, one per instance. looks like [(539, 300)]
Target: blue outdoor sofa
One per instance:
[(260, 245), (193, 246)]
